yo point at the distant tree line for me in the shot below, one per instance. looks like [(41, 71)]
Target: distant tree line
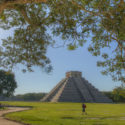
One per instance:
[(31, 96), (117, 95), (24, 97)]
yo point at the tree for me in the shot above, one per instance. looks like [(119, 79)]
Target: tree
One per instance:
[(72, 20), (103, 21), (7, 83), (119, 94), (29, 44), (109, 94)]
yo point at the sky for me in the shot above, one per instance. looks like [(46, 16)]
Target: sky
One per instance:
[(62, 61)]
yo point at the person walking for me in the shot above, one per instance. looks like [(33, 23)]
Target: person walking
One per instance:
[(84, 109)]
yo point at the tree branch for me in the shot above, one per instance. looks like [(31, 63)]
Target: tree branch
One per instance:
[(83, 8), (121, 2), (7, 3), (119, 43), (24, 14)]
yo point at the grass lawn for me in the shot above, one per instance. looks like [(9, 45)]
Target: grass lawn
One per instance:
[(69, 114)]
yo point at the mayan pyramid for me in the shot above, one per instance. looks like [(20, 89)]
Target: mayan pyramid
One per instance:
[(74, 88)]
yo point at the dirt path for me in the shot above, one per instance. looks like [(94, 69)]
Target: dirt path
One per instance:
[(4, 121)]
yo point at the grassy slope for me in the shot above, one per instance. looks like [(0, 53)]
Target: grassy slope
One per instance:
[(69, 114)]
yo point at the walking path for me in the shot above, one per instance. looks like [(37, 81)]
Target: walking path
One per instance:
[(4, 121)]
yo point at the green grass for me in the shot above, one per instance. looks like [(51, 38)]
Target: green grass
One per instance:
[(69, 114)]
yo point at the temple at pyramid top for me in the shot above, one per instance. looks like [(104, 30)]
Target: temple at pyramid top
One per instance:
[(75, 88), (73, 74)]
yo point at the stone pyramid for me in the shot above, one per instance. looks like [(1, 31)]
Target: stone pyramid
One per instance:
[(74, 88)]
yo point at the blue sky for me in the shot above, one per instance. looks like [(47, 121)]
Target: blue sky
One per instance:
[(62, 61)]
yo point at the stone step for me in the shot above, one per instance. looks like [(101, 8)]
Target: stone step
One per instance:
[(83, 89), (56, 97), (53, 91)]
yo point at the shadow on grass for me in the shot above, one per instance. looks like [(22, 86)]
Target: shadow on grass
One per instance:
[(68, 118), (94, 118), (84, 118), (99, 124)]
